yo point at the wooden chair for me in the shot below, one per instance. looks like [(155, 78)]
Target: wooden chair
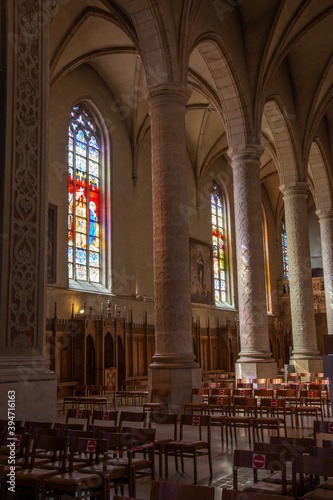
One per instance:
[(161, 420), (29, 481), (127, 387), (141, 392), (247, 495), (219, 408), (62, 427), (76, 483), (79, 391), (78, 416), (274, 383), (119, 445), (287, 450), (178, 491), (263, 461), (311, 405), (158, 401), (312, 466), (109, 392), (185, 448), (112, 475), (97, 429), (322, 427), (94, 392), (259, 383), (291, 398), (275, 411), (132, 417), (22, 449), (111, 417), (249, 407), (143, 443)]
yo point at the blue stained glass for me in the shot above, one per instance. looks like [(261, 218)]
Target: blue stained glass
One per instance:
[(93, 143), (93, 244), (83, 189), (93, 168), (93, 154), (80, 256), (218, 246), (94, 259)]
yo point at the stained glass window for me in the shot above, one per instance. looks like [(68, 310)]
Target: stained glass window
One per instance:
[(284, 250), (83, 197), (218, 245)]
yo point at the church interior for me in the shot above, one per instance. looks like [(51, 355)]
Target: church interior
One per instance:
[(166, 195)]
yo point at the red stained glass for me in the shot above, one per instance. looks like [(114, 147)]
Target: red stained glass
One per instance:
[(83, 225)]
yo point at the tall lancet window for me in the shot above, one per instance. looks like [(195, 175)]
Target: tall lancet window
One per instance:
[(83, 197), (284, 250), (218, 245)]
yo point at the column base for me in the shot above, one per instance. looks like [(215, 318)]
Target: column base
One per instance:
[(307, 365), (179, 381), (35, 388), (259, 369)]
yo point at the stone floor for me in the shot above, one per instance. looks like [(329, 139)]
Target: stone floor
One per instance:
[(222, 460)]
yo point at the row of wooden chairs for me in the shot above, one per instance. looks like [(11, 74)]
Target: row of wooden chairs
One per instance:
[(91, 396), (79, 460), (305, 401)]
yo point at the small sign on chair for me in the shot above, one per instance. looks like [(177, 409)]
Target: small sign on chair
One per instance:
[(258, 461)]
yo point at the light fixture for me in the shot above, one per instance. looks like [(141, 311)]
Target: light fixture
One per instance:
[(83, 309)]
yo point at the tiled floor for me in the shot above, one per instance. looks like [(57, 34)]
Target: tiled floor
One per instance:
[(222, 460)]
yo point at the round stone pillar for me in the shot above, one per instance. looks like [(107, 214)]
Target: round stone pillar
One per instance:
[(305, 354), (255, 358), (173, 363), (326, 231)]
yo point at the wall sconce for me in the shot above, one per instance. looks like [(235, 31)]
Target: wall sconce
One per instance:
[(83, 309)]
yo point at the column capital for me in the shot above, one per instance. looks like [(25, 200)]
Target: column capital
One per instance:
[(168, 93), (294, 189), (325, 214), (245, 152)]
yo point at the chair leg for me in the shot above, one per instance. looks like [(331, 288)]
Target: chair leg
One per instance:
[(210, 463), (182, 460), (195, 466), (166, 465)]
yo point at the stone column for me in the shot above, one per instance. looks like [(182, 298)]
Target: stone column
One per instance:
[(255, 358), (305, 354), (326, 231), (173, 363), (23, 368)]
